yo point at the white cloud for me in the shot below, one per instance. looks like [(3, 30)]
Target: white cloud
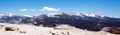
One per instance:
[(49, 9), (23, 10)]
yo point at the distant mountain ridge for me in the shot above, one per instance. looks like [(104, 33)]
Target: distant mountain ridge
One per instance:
[(93, 22)]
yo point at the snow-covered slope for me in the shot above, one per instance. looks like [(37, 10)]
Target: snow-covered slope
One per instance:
[(36, 30)]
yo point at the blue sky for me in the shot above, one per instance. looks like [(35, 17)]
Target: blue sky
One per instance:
[(37, 7)]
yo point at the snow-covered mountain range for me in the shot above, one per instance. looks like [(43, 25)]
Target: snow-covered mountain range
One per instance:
[(93, 22)]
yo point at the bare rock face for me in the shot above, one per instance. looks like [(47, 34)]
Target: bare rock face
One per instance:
[(22, 32), (114, 30), (11, 28), (8, 28), (2, 25)]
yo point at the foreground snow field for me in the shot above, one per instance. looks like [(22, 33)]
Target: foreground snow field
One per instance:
[(37, 30)]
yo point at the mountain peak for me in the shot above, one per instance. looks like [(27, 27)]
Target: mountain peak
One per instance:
[(95, 15)]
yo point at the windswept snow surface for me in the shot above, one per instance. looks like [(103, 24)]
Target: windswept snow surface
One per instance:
[(37, 30)]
